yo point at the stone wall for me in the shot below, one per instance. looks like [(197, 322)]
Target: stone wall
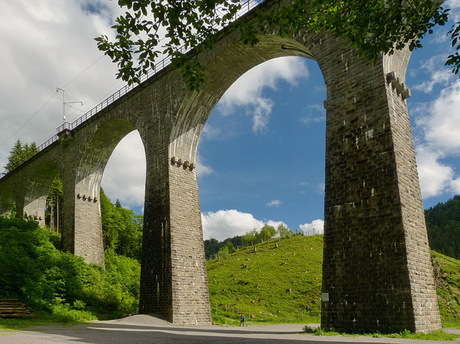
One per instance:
[(376, 255)]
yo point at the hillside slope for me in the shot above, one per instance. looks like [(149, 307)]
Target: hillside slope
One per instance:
[(280, 281), (443, 224)]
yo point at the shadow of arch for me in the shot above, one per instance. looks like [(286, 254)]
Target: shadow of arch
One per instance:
[(7, 201)]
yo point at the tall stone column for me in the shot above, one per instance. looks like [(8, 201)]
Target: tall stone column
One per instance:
[(82, 225), (173, 275), (88, 224), (377, 272), (35, 209), (19, 200), (68, 212)]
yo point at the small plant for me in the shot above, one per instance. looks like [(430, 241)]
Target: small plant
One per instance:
[(406, 333), (309, 329), (65, 314)]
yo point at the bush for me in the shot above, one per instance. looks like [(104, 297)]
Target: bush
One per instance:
[(33, 270)]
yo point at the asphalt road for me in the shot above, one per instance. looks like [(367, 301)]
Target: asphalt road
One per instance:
[(143, 329)]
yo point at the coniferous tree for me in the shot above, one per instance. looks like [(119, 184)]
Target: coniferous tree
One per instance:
[(19, 154), (53, 214), (443, 225)]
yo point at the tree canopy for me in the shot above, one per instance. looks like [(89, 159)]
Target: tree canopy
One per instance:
[(152, 28), (19, 154)]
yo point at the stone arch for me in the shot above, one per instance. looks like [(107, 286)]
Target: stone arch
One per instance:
[(28, 188), (372, 190), (82, 232), (197, 106), (173, 238)]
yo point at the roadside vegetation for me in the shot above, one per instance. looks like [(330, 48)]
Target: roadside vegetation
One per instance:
[(59, 285)]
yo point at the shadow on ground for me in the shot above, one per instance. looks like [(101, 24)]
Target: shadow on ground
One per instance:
[(142, 329)]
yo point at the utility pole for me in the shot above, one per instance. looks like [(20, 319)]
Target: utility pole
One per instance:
[(64, 103)]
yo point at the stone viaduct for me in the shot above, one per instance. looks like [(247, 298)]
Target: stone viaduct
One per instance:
[(377, 272)]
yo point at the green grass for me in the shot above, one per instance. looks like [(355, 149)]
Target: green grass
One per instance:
[(280, 281), (437, 335), (274, 282), (447, 273), (7, 325)]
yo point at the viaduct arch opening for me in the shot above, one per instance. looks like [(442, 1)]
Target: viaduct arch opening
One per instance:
[(246, 185), (258, 150)]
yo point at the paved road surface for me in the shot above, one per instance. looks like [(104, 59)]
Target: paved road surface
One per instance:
[(143, 329)]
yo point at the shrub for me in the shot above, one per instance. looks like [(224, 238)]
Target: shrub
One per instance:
[(33, 270)]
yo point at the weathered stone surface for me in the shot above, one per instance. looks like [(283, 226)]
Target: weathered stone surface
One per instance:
[(377, 272)]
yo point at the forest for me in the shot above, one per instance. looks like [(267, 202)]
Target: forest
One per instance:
[(443, 224)]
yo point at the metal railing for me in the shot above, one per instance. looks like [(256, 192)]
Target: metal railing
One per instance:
[(247, 6)]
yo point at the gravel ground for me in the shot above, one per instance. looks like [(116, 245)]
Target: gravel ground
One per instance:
[(140, 329)]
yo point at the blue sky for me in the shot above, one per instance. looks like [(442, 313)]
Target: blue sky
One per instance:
[(261, 155)]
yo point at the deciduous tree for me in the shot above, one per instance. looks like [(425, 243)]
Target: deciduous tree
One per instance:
[(152, 28)]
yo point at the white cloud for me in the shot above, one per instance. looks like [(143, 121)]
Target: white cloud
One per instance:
[(454, 6), (435, 177), (315, 227), (210, 132), (276, 223), (124, 176), (440, 127), (441, 124), (275, 203), (455, 185), (247, 91), (438, 75), (202, 169), (46, 44), (315, 113), (320, 188), (224, 224)]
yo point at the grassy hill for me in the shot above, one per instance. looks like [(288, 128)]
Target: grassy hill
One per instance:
[(280, 281)]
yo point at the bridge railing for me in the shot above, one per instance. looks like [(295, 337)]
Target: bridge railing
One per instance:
[(247, 6)]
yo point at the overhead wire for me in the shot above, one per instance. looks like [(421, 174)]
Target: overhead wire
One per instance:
[(28, 120), (46, 102)]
